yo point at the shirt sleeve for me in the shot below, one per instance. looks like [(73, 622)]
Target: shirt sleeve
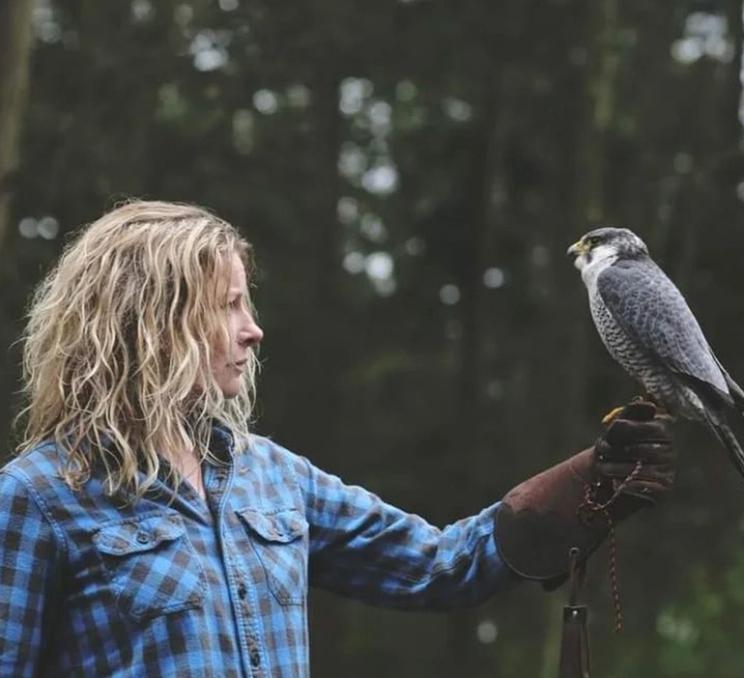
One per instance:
[(367, 549), (27, 554)]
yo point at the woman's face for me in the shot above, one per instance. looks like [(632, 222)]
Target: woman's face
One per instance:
[(229, 362)]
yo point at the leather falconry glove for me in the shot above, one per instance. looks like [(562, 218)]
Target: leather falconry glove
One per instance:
[(574, 504)]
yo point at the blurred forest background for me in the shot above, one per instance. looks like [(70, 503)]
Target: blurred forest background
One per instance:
[(411, 173)]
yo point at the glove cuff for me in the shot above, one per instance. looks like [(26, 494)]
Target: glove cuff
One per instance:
[(541, 519)]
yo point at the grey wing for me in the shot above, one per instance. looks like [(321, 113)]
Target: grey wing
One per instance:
[(651, 310)]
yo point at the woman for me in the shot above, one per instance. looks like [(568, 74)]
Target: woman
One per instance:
[(144, 531)]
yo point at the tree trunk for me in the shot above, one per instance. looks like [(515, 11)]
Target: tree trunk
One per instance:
[(464, 461), (322, 267), (731, 110), (589, 140), (15, 52)]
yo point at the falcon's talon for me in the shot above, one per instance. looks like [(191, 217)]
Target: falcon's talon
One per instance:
[(662, 411), (612, 415), (648, 398)]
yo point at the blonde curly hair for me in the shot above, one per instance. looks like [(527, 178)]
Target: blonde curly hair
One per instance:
[(118, 346)]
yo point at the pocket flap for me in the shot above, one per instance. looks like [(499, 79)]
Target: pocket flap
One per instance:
[(278, 526), (138, 534)]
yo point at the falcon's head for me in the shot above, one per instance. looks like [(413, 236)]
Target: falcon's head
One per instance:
[(606, 245)]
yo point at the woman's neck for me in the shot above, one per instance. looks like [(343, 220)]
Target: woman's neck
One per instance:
[(188, 466)]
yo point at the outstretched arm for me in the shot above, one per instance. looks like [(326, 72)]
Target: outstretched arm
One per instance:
[(367, 549)]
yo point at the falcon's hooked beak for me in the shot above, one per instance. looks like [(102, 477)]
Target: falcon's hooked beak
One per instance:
[(578, 248), (581, 253)]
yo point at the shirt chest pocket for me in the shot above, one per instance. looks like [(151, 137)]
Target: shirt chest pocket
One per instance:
[(151, 565), (280, 540)]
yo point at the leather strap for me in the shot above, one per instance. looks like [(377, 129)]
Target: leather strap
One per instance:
[(574, 662)]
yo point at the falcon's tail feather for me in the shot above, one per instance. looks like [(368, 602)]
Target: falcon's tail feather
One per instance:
[(735, 391), (724, 433)]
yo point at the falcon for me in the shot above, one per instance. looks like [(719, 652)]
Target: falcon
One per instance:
[(647, 326)]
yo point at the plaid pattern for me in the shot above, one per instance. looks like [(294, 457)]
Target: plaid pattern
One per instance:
[(170, 586)]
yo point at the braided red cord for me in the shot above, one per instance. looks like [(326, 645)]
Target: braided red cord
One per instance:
[(614, 581), (593, 506)]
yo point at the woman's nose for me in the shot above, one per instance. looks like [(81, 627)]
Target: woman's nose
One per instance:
[(250, 334)]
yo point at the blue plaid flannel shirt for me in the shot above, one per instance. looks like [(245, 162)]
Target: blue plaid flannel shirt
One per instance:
[(171, 586)]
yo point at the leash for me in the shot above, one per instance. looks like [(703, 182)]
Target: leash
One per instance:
[(590, 508), (574, 659)]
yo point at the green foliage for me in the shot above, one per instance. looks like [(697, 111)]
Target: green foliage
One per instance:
[(701, 632)]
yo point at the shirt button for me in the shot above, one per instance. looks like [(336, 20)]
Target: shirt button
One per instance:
[(143, 537), (255, 657), (242, 592)]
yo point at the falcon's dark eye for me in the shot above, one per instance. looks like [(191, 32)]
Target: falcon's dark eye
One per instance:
[(593, 240)]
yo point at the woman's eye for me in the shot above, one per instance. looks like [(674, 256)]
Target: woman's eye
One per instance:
[(235, 303)]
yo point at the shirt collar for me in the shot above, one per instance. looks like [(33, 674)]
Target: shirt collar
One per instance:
[(222, 442)]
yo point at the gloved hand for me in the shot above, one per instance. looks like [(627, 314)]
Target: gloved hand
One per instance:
[(639, 434), (573, 504)]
